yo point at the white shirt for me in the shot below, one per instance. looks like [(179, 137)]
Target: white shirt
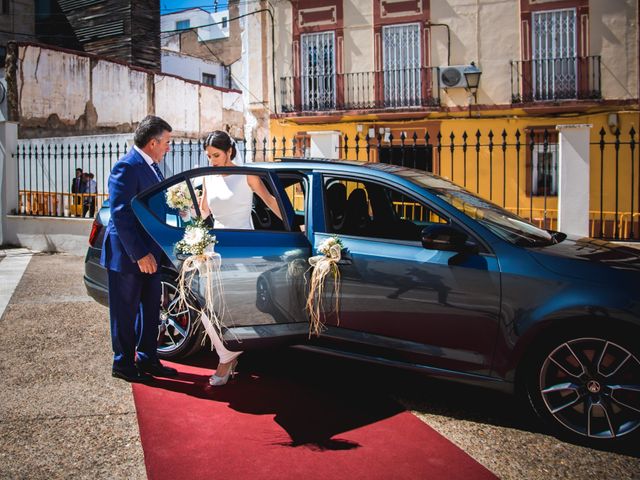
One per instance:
[(149, 161)]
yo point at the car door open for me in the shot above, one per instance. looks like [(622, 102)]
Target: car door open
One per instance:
[(261, 269)]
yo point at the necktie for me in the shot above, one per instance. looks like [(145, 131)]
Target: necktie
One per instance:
[(156, 169)]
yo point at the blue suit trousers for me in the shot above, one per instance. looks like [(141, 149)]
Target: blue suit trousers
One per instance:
[(134, 296)]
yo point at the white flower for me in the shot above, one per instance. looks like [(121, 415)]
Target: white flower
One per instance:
[(193, 236)]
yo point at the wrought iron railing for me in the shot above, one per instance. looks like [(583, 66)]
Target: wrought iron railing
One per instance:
[(400, 88), (498, 167), (548, 79)]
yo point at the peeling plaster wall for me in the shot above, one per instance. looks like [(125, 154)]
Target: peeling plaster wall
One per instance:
[(178, 103), (52, 83), (64, 94), (112, 82)]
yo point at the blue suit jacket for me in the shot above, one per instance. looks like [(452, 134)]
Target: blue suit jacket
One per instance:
[(125, 240)]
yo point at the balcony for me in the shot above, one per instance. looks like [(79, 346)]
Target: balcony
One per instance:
[(390, 89), (553, 79)]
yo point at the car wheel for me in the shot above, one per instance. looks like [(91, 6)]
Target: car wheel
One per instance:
[(263, 296), (587, 387), (179, 334)]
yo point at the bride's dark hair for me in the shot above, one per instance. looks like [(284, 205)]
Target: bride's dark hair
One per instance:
[(222, 141)]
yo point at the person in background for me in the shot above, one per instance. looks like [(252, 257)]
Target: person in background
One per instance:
[(77, 186), (90, 194)]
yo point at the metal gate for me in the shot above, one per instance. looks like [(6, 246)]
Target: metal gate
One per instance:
[(401, 65), (554, 61)]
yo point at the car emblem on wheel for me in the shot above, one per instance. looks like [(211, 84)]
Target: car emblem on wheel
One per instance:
[(593, 386)]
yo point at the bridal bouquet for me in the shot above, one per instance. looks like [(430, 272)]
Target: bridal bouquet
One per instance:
[(325, 265), (179, 197)]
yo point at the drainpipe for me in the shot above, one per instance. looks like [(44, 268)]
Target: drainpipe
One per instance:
[(429, 25)]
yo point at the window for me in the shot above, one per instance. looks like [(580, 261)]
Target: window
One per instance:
[(368, 209), (5, 7), (183, 24), (542, 164), (318, 77), (295, 188), (209, 79), (402, 72), (554, 54), (224, 22)]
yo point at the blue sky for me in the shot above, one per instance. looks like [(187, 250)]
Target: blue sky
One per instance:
[(170, 6)]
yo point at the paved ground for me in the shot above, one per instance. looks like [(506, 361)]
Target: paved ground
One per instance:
[(63, 416)]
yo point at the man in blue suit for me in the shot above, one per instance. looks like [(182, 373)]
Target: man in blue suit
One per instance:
[(132, 258)]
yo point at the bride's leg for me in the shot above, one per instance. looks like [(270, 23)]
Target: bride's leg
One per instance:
[(225, 355)]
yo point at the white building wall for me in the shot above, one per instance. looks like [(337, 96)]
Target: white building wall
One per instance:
[(111, 82), (191, 68), (196, 17)]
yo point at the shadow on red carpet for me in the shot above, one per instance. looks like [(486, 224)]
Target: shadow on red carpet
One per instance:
[(267, 425)]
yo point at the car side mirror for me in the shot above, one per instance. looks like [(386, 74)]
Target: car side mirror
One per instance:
[(441, 236)]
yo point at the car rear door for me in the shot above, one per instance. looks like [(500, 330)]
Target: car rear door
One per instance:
[(264, 301)]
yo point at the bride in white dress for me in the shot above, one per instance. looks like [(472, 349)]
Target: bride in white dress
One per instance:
[(229, 198)]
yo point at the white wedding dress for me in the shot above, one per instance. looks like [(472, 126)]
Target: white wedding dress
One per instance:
[(229, 198)]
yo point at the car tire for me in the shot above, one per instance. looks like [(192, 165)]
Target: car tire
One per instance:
[(180, 333), (585, 385)]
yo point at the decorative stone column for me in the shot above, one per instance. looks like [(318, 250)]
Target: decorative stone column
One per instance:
[(573, 179)]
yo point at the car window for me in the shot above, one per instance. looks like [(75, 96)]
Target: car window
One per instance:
[(370, 209), (295, 187)]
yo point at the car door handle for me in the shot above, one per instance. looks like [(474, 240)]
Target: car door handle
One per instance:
[(345, 260)]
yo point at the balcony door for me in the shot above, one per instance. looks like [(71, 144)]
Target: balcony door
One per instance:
[(554, 61), (401, 65), (318, 79)]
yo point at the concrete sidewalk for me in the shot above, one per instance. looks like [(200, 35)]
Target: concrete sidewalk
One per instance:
[(61, 413)]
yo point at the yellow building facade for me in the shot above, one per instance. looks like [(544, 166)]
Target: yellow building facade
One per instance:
[(402, 81)]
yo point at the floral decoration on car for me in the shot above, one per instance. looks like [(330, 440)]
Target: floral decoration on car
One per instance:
[(323, 266)]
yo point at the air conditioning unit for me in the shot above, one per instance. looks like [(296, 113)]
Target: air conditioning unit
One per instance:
[(453, 76)]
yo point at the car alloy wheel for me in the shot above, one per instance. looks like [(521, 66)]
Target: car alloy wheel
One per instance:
[(591, 386), (177, 330)]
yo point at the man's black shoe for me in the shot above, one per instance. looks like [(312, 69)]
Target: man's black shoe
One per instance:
[(156, 369), (132, 377)]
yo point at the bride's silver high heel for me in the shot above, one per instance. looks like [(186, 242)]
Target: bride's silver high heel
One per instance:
[(217, 381)]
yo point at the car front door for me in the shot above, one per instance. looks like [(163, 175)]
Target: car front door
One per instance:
[(399, 299), (261, 297)]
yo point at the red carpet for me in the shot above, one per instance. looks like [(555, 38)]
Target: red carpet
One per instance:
[(265, 426)]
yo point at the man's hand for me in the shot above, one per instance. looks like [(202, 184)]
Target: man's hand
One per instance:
[(148, 264)]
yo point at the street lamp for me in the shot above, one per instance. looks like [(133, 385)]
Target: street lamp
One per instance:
[(472, 76)]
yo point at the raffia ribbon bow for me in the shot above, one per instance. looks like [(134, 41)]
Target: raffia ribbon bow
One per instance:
[(322, 267), (210, 288)]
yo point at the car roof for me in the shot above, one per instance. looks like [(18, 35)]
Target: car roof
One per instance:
[(384, 169)]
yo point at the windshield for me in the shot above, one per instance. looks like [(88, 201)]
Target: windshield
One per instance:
[(503, 223)]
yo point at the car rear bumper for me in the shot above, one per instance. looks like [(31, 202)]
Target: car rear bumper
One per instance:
[(98, 292)]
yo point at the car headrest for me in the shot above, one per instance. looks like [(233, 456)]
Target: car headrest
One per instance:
[(357, 208), (336, 204)]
